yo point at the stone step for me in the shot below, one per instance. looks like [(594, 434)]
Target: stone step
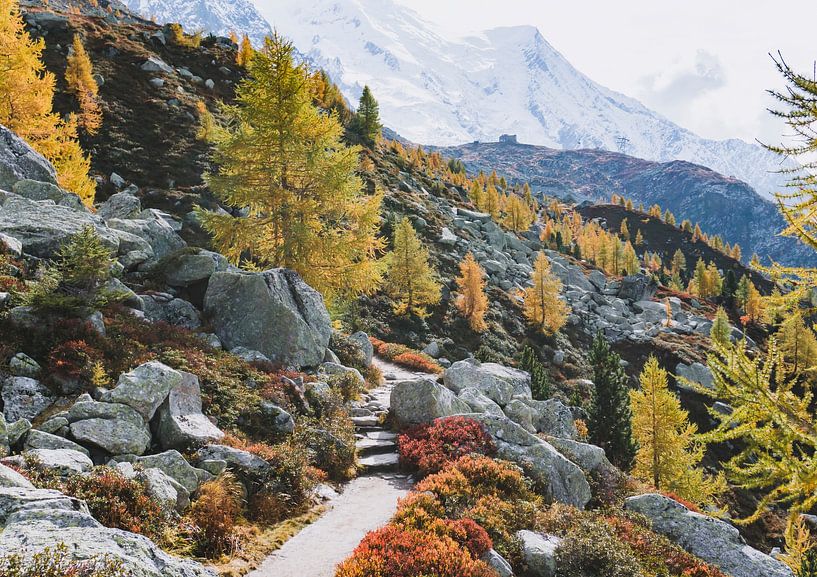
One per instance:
[(382, 435), (366, 422), (374, 446), (387, 462)]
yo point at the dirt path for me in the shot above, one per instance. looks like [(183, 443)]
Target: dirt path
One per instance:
[(365, 504)]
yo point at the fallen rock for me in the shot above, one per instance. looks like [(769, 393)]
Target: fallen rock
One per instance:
[(154, 230), (273, 312), (539, 553), (249, 468), (35, 190), (498, 383), (638, 287), (42, 440), (695, 373), (22, 365), (479, 403), (115, 428), (120, 205), (361, 339), (19, 161), (24, 398), (715, 541), (557, 477), (423, 400), (62, 461), (145, 388), (11, 478), (185, 269), (174, 466), (182, 425)]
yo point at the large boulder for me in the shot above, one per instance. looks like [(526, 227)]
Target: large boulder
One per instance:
[(145, 388), (42, 227), (423, 400), (120, 205), (154, 230), (715, 541), (174, 465), (539, 553), (274, 312), (19, 161), (115, 428), (173, 311), (11, 478), (188, 268), (42, 440), (551, 417), (182, 425), (557, 477), (497, 382), (479, 403), (590, 458), (62, 461), (637, 287), (250, 469), (32, 520), (697, 373), (361, 339), (24, 398)]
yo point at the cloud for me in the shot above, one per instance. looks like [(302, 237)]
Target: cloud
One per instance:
[(675, 88)]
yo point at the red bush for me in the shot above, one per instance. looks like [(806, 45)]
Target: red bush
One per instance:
[(395, 552), (74, 359), (406, 357), (430, 447)]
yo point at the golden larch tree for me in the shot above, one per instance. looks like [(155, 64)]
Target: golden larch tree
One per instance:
[(472, 302), (669, 452), (284, 163), (245, 52), (26, 94), (518, 214), (80, 80), (543, 307), (410, 279)]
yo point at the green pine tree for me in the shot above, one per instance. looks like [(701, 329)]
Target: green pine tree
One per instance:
[(366, 122), (610, 417), (540, 383)]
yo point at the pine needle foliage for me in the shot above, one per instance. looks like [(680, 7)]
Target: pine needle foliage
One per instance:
[(670, 450), (721, 330), (540, 382), (610, 416), (543, 308), (80, 80), (366, 121), (284, 163), (410, 279), (472, 302), (26, 94)]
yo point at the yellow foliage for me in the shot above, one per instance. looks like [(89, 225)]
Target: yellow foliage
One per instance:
[(543, 307), (518, 214), (81, 83), (245, 52), (410, 280), (472, 301)]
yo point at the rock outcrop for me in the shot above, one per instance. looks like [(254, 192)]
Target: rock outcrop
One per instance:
[(19, 161), (423, 400)]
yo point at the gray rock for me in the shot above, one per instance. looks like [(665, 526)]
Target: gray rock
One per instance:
[(16, 430), (5, 448), (184, 270), (274, 312), (145, 388), (423, 400), (176, 467), (22, 365), (498, 563), (182, 425), (113, 427), (156, 64), (42, 440), (710, 539), (521, 414), (495, 381), (361, 339), (557, 477), (447, 237), (479, 403), (637, 287), (328, 370), (11, 245), (120, 205), (249, 355), (248, 467), (117, 180), (433, 350), (155, 231), (11, 478), (552, 417), (14, 500), (175, 312), (165, 489), (589, 457), (277, 420), (539, 553), (696, 373), (62, 461), (35, 190), (24, 398), (19, 161)]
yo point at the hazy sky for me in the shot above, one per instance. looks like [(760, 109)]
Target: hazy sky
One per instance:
[(702, 63)]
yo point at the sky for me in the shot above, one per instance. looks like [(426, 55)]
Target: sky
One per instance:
[(702, 63)]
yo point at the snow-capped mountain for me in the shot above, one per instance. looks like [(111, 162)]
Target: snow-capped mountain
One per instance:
[(436, 90), (216, 16)]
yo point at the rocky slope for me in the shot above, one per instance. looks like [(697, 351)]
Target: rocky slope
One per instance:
[(722, 205)]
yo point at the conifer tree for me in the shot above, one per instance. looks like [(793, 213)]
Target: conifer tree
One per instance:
[(366, 121), (669, 452), (410, 279), (540, 384), (625, 230), (283, 161), (721, 330), (730, 285), (798, 346), (81, 83), (639, 238), (472, 301), (679, 262), (610, 416), (245, 53), (477, 195), (26, 94), (492, 203), (755, 307), (543, 307), (742, 292), (669, 218), (518, 214)]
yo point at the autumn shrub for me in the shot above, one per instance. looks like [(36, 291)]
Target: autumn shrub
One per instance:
[(56, 562), (592, 550), (329, 441), (430, 447), (214, 514), (74, 360), (347, 384), (179, 38), (406, 357), (396, 552)]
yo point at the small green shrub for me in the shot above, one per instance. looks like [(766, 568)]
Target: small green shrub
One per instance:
[(347, 384), (329, 441), (55, 562), (540, 382), (592, 550)]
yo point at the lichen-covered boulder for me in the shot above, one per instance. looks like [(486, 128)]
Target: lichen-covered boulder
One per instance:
[(361, 339), (423, 400), (41, 440), (174, 465), (24, 398), (19, 161), (145, 388), (715, 541), (186, 268), (274, 312), (557, 477), (182, 425), (11, 478), (154, 230), (62, 461), (479, 403), (115, 428), (497, 382), (539, 553)]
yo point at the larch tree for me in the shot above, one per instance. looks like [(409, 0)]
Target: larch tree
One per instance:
[(80, 80), (491, 204), (543, 307), (721, 330), (639, 238), (610, 419), (366, 121), (477, 195), (625, 230), (245, 53), (669, 451), (472, 302), (518, 214), (798, 346), (26, 94), (410, 279), (284, 163)]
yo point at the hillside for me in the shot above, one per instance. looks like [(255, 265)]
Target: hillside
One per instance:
[(722, 205)]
